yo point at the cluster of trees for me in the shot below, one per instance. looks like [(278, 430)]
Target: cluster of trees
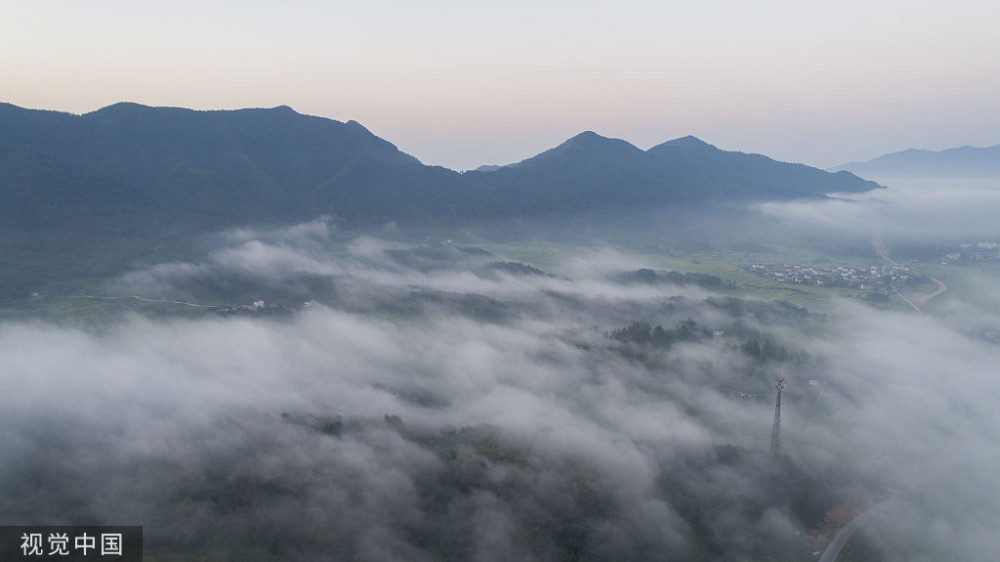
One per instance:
[(515, 268), (643, 334), (767, 350), (563, 508), (765, 312), (758, 347), (733, 498), (651, 277)]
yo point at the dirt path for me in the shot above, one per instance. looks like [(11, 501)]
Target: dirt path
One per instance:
[(106, 298), (917, 303), (883, 251), (922, 301)]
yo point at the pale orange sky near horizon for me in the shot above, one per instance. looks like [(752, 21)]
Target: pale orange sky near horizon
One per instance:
[(462, 84)]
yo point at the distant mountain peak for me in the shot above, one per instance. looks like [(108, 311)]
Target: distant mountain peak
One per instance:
[(689, 142), (689, 139), (488, 168), (964, 161), (591, 138), (586, 146), (591, 141), (133, 108), (358, 126), (122, 107), (283, 110)]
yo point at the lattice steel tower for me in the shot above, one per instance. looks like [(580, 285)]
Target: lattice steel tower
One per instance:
[(776, 430)]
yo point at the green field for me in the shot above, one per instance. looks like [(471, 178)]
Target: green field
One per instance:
[(723, 262), (964, 283)]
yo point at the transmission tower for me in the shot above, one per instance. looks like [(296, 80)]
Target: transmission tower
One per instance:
[(776, 430)]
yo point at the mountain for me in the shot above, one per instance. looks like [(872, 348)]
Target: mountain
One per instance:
[(169, 164), (129, 167), (962, 162), (125, 178), (741, 176), (590, 171)]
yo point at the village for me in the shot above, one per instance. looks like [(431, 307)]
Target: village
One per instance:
[(874, 279), (979, 252)]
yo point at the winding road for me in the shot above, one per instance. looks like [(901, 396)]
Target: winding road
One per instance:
[(919, 303), (107, 298), (844, 534), (922, 301)]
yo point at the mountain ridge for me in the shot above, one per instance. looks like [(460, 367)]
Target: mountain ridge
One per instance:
[(176, 166), (962, 161), (79, 192), (275, 163)]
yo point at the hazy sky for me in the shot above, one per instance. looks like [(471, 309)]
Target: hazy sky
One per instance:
[(467, 83)]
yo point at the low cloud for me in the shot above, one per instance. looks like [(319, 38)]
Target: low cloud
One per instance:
[(924, 210), (395, 419)]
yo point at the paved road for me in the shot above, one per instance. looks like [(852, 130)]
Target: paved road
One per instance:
[(840, 539), (908, 301), (941, 289), (106, 298), (883, 252)]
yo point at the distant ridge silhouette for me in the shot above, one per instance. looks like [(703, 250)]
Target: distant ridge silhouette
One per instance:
[(965, 161), (123, 178)]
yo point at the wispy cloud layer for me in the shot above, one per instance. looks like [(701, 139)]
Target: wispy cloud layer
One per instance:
[(396, 419)]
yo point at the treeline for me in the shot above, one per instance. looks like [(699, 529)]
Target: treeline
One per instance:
[(643, 334), (767, 350), (651, 277), (765, 312), (759, 348), (553, 506), (725, 494), (515, 268)]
